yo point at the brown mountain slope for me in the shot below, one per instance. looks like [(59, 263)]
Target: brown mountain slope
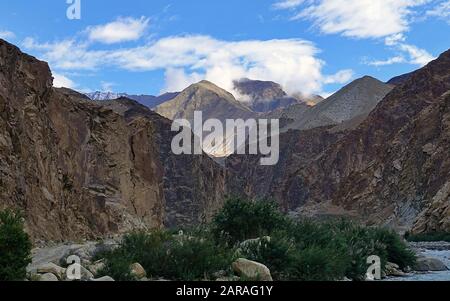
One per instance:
[(356, 99), (81, 170), (393, 169), (204, 96)]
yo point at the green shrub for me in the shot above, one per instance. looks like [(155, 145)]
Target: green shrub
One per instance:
[(15, 247), (240, 220), (179, 257), (194, 258), (117, 266), (396, 249), (318, 264), (277, 253)]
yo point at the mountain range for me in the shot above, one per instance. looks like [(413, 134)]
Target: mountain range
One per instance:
[(82, 168), (147, 100)]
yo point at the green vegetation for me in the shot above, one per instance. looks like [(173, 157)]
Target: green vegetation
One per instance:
[(15, 247), (241, 220), (292, 250), (430, 236), (175, 257)]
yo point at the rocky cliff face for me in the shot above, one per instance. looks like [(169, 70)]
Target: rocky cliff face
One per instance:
[(392, 169), (80, 169)]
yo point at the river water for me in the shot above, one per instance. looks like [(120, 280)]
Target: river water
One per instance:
[(443, 254)]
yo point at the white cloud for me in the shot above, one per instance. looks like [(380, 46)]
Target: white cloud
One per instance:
[(408, 54), (61, 81), (287, 4), (417, 56), (342, 77), (121, 30), (362, 18), (442, 10), (177, 79), (186, 59), (5, 34), (389, 61), (68, 54)]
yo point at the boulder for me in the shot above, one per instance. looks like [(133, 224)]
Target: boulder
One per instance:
[(103, 279), (85, 274), (392, 269), (48, 277), (137, 271), (251, 270), (426, 264), (97, 266), (53, 269)]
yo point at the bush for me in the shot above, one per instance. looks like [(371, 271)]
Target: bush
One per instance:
[(277, 253), (240, 220), (318, 264), (182, 257), (15, 247), (196, 258), (397, 250), (117, 266)]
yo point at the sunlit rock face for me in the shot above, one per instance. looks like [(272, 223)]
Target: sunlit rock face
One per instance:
[(79, 169)]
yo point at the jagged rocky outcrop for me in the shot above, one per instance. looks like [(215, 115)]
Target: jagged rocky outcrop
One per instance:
[(78, 169), (267, 96), (392, 169)]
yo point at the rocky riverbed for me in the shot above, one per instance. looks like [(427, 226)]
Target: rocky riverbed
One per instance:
[(437, 250)]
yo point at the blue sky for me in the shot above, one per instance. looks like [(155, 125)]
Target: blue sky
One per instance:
[(149, 47)]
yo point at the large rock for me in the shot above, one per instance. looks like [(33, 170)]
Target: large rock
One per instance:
[(85, 274), (97, 267), (392, 269), (48, 277), (251, 270), (137, 271), (426, 264), (53, 269)]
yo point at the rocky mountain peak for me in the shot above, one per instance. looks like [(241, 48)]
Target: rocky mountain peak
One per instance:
[(259, 90), (207, 97), (27, 71)]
